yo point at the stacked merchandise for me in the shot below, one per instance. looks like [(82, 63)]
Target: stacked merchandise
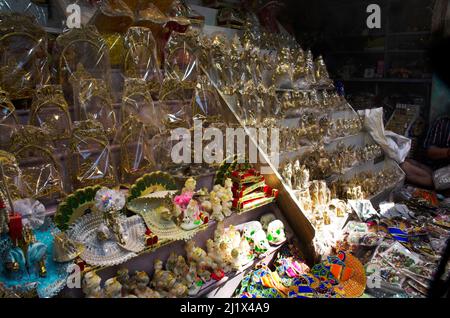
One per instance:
[(250, 190)]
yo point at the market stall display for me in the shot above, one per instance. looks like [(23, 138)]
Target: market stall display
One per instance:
[(91, 180)]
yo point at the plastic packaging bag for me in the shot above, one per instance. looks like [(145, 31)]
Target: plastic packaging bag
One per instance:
[(136, 157), (23, 55), (81, 54), (8, 119), (26, 7), (49, 109), (394, 146), (441, 178), (42, 174), (180, 66), (140, 57), (93, 101), (91, 156), (137, 101)]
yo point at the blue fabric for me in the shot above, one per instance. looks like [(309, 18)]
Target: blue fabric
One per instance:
[(57, 273)]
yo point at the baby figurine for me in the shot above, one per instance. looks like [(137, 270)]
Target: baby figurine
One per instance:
[(192, 280), (142, 290), (205, 265), (218, 255), (127, 283), (91, 285), (162, 280), (171, 261), (227, 198), (113, 289), (241, 255), (181, 268), (216, 207), (219, 232)]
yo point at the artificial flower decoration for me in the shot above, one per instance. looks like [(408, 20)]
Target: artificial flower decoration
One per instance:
[(107, 200), (32, 212)]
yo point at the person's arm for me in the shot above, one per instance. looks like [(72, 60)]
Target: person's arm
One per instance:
[(436, 153)]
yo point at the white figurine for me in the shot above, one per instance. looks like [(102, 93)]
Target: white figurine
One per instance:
[(216, 207), (113, 289), (261, 243), (287, 174), (91, 285), (275, 232), (241, 255), (191, 216), (142, 290)]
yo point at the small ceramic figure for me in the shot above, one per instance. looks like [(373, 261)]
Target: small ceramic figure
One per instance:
[(191, 216), (178, 291), (250, 230), (219, 232), (216, 207), (142, 290), (128, 284), (296, 175), (162, 280), (113, 289), (192, 280), (275, 232), (205, 265), (181, 268), (241, 255), (287, 174), (227, 198), (171, 261), (219, 255), (91, 285), (261, 243)]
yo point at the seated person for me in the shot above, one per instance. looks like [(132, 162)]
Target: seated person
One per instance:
[(437, 145)]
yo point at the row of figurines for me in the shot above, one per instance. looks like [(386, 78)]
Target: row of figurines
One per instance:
[(246, 64), (256, 107), (313, 195), (229, 250), (321, 163)]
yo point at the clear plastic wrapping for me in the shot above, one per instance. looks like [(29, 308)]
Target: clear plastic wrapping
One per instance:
[(137, 101), (8, 119), (81, 54), (26, 7), (140, 59), (180, 66), (23, 55), (42, 174), (49, 109), (93, 101), (91, 155), (11, 180), (136, 157)]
